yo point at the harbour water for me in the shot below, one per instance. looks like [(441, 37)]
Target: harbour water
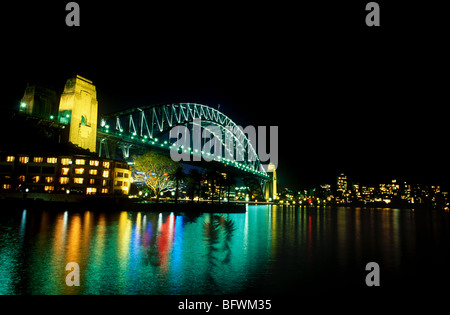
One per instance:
[(267, 250)]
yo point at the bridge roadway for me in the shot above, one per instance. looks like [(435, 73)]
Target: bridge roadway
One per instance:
[(147, 128), (110, 143)]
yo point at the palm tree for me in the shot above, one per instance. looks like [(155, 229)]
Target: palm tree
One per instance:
[(195, 179), (229, 181), (178, 175)]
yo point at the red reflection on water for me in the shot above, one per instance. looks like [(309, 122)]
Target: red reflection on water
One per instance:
[(165, 241)]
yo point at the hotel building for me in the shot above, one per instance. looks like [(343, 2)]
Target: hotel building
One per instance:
[(70, 174)]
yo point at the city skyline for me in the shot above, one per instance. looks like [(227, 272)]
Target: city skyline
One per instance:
[(393, 193)]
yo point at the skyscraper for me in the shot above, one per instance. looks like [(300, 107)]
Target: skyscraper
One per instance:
[(342, 182)]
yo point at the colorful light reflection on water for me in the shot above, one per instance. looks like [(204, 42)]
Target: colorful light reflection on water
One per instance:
[(267, 249)]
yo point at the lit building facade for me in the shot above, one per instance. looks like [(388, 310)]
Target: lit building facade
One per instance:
[(342, 182), (122, 178), (70, 174)]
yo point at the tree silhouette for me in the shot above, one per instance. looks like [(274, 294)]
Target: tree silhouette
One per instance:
[(179, 176), (194, 180)]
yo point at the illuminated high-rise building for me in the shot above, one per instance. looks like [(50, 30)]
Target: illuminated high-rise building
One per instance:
[(342, 182)]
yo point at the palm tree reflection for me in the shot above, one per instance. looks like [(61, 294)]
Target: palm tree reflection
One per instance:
[(218, 231)]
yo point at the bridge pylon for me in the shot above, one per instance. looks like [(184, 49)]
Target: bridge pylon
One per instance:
[(271, 188), (78, 107)]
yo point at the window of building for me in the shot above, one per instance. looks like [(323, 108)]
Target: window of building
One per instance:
[(106, 165), (106, 173), (64, 180), (65, 171), (91, 191), (52, 160), (49, 188), (35, 179), (6, 186), (105, 182), (119, 174), (104, 190), (125, 184), (80, 161), (23, 159), (93, 172), (21, 178), (118, 183), (79, 171), (126, 175), (49, 179), (78, 180), (92, 181), (94, 162), (10, 158), (66, 161), (38, 159)]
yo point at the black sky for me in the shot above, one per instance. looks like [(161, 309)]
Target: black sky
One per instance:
[(346, 97)]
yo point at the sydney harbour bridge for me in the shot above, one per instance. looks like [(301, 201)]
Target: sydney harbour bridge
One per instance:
[(193, 133)]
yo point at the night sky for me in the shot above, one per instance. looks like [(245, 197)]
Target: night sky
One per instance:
[(347, 98)]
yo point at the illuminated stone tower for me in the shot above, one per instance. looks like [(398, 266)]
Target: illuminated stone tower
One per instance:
[(272, 188), (78, 108), (39, 101)]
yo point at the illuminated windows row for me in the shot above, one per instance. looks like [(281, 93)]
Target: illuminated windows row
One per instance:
[(80, 180), (80, 171), (37, 178), (54, 160), (36, 159), (46, 188), (93, 191)]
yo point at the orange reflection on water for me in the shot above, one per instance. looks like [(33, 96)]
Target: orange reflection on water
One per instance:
[(124, 236)]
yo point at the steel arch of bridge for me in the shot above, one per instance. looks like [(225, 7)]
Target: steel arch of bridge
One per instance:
[(145, 125)]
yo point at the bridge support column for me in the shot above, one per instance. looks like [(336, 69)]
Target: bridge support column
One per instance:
[(103, 144), (78, 108), (125, 147), (271, 186)]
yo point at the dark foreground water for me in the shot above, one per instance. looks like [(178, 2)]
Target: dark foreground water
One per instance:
[(267, 250)]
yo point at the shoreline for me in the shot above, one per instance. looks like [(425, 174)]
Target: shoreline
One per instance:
[(123, 203), (111, 203)]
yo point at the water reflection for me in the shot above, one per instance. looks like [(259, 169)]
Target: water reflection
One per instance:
[(267, 249)]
